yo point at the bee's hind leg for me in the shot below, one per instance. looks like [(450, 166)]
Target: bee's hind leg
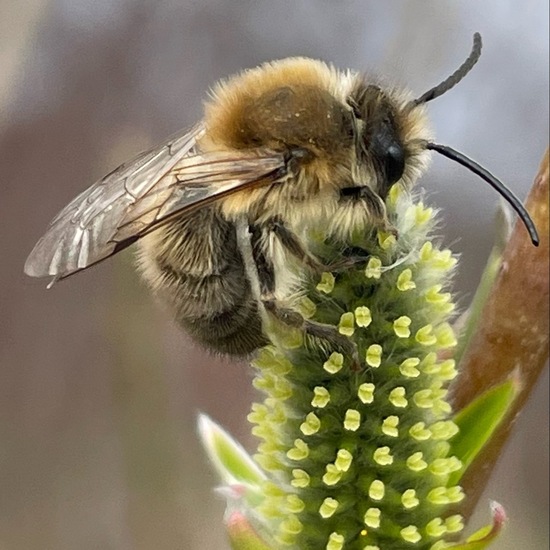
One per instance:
[(286, 315)]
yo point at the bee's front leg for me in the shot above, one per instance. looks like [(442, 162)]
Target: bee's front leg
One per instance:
[(373, 203), (286, 315), (292, 244)]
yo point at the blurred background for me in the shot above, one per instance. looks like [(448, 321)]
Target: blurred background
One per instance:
[(99, 391)]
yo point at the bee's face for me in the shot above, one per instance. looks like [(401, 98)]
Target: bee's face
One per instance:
[(336, 118), (381, 140)]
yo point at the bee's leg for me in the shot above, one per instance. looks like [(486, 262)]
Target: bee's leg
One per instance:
[(374, 204), (288, 316), (294, 246)]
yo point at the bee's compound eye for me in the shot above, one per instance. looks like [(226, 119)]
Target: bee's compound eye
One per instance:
[(386, 147), (394, 163)]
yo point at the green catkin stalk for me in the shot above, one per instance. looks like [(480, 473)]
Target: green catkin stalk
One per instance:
[(358, 458)]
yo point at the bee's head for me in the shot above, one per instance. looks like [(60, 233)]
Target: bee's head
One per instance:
[(381, 137), (392, 133), (388, 142), (387, 136)]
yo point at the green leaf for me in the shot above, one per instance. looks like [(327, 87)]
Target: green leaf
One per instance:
[(486, 535), (472, 316), (478, 421), (232, 462), (241, 534)]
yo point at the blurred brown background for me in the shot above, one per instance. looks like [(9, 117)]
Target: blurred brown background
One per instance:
[(98, 390)]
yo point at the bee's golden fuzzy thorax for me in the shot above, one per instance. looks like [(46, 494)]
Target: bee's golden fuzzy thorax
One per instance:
[(281, 97), (291, 103)]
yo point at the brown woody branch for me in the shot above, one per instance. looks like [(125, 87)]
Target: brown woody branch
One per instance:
[(512, 335)]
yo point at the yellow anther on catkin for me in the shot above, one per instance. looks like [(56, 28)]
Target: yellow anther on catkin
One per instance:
[(416, 463), (366, 393), (311, 425), (374, 268), (411, 534), (343, 460), (409, 499), (382, 456), (408, 367), (332, 475), (334, 363), (347, 324), (397, 397), (372, 518), (321, 397), (404, 281), (300, 451), (300, 479), (352, 420), (335, 542), (363, 317), (327, 283), (401, 326), (328, 507), (389, 426), (374, 355), (377, 490)]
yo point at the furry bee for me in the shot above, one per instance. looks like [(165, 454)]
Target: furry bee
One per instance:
[(280, 147)]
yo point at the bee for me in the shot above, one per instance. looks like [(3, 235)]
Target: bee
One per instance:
[(281, 147)]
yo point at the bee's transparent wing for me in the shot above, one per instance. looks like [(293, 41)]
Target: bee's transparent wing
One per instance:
[(140, 195)]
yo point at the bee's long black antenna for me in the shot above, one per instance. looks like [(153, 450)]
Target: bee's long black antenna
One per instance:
[(494, 182), (455, 78)]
